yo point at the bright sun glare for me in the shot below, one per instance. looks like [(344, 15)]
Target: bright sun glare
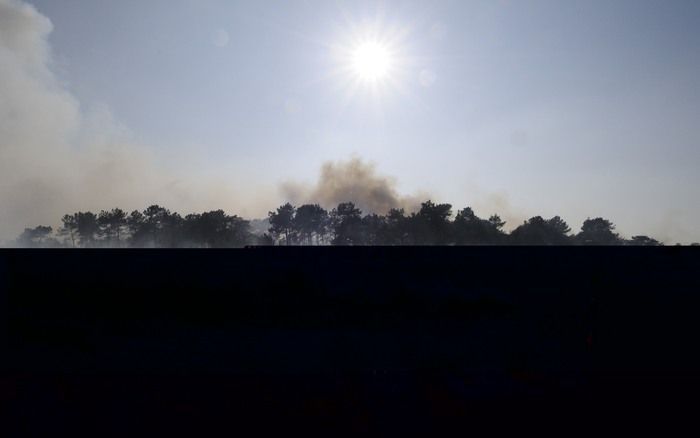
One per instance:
[(371, 61)]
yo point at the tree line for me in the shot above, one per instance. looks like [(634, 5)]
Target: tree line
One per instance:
[(310, 224)]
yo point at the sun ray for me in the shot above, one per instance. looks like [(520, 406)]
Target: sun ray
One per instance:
[(367, 60)]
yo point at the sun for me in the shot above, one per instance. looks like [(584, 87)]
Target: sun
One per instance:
[(371, 61)]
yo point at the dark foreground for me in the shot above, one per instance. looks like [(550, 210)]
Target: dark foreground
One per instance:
[(372, 339)]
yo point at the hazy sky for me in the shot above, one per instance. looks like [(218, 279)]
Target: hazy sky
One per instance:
[(576, 108)]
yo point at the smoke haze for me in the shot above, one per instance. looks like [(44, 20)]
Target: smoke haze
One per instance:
[(579, 138), (354, 181), (57, 157)]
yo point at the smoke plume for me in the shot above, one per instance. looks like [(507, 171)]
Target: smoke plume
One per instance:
[(56, 157), (354, 181)]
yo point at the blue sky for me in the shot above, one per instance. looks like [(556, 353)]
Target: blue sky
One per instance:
[(575, 108)]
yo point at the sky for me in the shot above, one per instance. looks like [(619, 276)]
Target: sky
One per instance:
[(529, 107)]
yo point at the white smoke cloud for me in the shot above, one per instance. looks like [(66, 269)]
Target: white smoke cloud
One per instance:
[(57, 157)]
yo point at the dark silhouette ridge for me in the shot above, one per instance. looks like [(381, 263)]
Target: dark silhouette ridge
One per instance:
[(312, 225)]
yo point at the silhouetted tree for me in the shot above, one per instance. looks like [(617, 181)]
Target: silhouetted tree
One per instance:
[(112, 225), (469, 229), (559, 226), (39, 237), (155, 227), (496, 221), (598, 231), (87, 228), (643, 241), (346, 222), (160, 225), (81, 228), (282, 223), (215, 229), (171, 231), (372, 226), (310, 221), (138, 232), (395, 230), (70, 228), (431, 225), (154, 220), (539, 231)]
